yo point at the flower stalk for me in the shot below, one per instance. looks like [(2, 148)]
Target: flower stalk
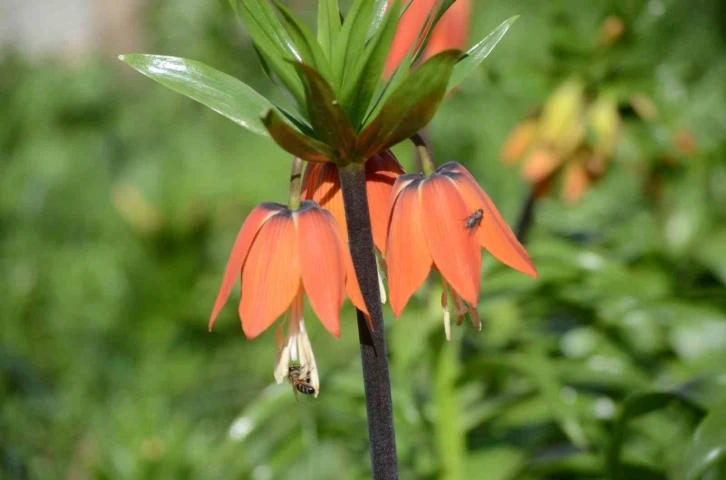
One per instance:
[(424, 155), (374, 355), (526, 216), (295, 183)]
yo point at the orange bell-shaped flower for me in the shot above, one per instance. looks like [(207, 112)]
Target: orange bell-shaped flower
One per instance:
[(443, 221), (281, 254)]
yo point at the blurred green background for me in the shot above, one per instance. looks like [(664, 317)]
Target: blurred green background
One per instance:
[(119, 201)]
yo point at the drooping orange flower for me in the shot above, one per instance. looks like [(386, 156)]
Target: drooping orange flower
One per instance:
[(443, 221), (322, 184), (451, 31), (281, 254)]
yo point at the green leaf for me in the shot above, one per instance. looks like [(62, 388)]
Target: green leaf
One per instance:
[(328, 25), (307, 44), (708, 447), (385, 90), (635, 406), (273, 42), (220, 92), (438, 11), (539, 368), (326, 115), (351, 41), (378, 15), (262, 16), (411, 106), (360, 85), (476, 54), (295, 142), (449, 435)]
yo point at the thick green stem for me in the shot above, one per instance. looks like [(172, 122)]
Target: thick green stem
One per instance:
[(374, 355)]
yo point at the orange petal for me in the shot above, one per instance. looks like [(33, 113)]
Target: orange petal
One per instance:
[(409, 26), (493, 234), (407, 252), (401, 182), (540, 164), (311, 172), (323, 187), (381, 174), (576, 181), (257, 217), (321, 263), (452, 30), (271, 275), (352, 287), (453, 248)]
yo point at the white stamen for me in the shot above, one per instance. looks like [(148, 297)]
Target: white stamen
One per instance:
[(380, 267), (381, 288), (447, 324), (307, 361), (282, 364), (447, 314), (296, 349)]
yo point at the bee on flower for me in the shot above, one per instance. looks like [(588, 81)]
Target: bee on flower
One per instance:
[(282, 253), (426, 230)]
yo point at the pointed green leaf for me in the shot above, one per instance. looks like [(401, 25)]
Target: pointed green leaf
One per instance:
[(351, 41), (328, 119), (273, 43), (328, 25), (379, 13), (294, 142), (411, 106), (438, 11), (476, 55), (261, 14), (709, 444), (307, 44), (359, 87), (220, 92)]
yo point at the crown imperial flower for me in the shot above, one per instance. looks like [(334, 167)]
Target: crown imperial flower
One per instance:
[(282, 253), (430, 226)]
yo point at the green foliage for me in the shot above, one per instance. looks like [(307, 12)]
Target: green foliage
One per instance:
[(220, 92), (119, 202), (341, 77)]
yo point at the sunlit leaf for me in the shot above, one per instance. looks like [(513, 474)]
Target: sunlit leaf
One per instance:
[(308, 46), (351, 42), (377, 19), (476, 54), (328, 25), (220, 92), (273, 41), (360, 85)]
